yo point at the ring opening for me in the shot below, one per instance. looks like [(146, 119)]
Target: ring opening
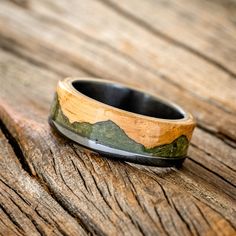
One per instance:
[(127, 99)]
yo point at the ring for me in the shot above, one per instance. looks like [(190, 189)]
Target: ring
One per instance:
[(121, 122)]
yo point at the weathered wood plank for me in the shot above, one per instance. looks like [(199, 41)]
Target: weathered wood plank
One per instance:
[(47, 90), (111, 197), (204, 28), (26, 208), (131, 200), (82, 50), (216, 112), (137, 48)]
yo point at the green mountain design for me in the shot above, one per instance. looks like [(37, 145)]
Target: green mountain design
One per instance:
[(110, 134)]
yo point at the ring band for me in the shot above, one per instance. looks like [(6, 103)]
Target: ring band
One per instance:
[(121, 122)]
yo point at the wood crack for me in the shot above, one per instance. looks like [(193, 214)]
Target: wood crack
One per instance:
[(183, 219), (210, 155), (71, 213), (86, 37), (82, 178), (218, 212), (19, 154), (16, 148), (6, 45), (98, 42), (25, 201), (36, 225), (213, 172), (223, 137), (12, 219), (140, 22), (203, 216), (127, 215), (21, 3), (68, 210), (161, 222)]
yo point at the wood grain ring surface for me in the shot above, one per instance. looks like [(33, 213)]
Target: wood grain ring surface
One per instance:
[(90, 107)]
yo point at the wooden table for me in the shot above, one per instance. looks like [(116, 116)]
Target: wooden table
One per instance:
[(184, 50)]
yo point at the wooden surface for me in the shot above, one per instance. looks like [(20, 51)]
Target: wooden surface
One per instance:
[(183, 50)]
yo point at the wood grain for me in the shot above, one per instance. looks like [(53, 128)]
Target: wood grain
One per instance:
[(143, 49), (26, 207), (42, 42), (203, 28), (222, 123), (148, 131)]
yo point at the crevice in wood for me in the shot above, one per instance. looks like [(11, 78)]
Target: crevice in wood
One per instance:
[(24, 200), (128, 215), (19, 154), (101, 192), (82, 177), (21, 3), (209, 154), (227, 139), (86, 70), (203, 216), (12, 219), (212, 204), (231, 223), (161, 222), (223, 137), (16, 148), (83, 224), (37, 227), (62, 231), (162, 188), (14, 231), (183, 219), (72, 29), (213, 172), (162, 35), (6, 45), (94, 41), (174, 226)]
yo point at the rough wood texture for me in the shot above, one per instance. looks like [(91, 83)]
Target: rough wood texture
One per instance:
[(182, 50), (26, 206)]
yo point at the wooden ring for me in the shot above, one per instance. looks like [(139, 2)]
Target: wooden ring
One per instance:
[(121, 122)]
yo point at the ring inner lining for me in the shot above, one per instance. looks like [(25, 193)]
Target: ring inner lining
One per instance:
[(128, 99)]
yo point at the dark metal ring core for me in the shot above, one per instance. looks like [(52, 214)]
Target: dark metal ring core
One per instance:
[(128, 99)]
